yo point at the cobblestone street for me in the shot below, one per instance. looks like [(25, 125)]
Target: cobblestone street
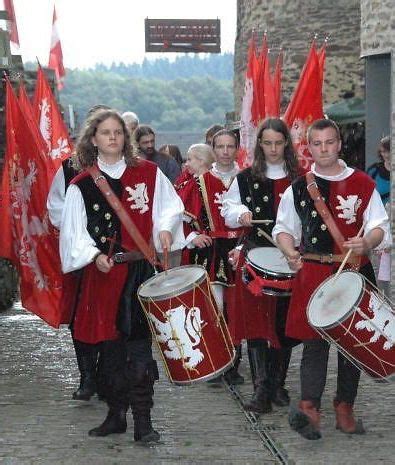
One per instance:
[(40, 424)]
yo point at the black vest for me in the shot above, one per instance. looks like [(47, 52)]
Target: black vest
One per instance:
[(258, 197), (315, 235), (102, 221)]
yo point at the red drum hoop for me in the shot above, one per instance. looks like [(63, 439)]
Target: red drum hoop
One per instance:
[(191, 334), (349, 311), (267, 272)]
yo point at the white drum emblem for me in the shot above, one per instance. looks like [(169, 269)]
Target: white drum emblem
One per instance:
[(181, 332), (382, 323)]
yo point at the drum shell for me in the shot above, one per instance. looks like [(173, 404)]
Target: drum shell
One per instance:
[(272, 282), (349, 333), (215, 345)]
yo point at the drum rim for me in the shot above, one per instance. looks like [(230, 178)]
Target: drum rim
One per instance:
[(348, 313), (278, 275), (171, 294)]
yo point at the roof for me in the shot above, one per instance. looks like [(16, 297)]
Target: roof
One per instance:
[(347, 111)]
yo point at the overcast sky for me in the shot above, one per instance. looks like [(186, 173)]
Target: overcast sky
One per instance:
[(103, 31)]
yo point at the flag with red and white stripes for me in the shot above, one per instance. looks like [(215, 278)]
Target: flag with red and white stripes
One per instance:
[(55, 54)]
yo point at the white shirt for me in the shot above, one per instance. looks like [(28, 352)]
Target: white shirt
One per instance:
[(77, 248), (374, 216), (55, 199), (233, 208)]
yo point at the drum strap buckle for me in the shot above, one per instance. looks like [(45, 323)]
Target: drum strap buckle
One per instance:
[(326, 258)]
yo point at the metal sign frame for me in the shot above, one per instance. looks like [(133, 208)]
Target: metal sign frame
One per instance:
[(183, 35)]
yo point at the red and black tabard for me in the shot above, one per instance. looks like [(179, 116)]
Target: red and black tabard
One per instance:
[(97, 307), (202, 198), (347, 201), (253, 317)]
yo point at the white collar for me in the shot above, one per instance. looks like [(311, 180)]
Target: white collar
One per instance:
[(225, 174), (275, 171), (346, 172), (114, 170)]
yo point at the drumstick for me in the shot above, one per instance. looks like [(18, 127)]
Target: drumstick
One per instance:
[(165, 259), (266, 236), (347, 256), (261, 221)]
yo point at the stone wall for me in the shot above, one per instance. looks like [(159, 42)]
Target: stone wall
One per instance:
[(292, 25), (378, 36)]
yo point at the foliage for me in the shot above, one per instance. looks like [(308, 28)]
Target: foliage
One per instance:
[(188, 94), (184, 66)]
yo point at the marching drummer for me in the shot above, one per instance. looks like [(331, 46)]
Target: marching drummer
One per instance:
[(107, 310), (255, 194), (208, 239), (350, 201)]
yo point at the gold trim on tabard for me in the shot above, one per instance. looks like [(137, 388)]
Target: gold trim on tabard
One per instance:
[(206, 202)]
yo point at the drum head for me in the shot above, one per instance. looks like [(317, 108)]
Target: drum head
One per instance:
[(172, 282), (269, 259), (334, 300)]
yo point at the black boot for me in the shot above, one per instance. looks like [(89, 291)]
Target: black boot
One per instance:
[(232, 376), (258, 355), (144, 374), (279, 362), (115, 422), (86, 360), (143, 430), (101, 382)]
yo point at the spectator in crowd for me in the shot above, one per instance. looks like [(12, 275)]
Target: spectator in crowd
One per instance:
[(131, 121), (174, 152), (145, 140), (211, 131)]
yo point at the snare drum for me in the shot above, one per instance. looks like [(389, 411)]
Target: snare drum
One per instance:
[(266, 271), (351, 312), (191, 333)]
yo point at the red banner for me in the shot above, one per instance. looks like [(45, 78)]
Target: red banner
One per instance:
[(24, 219), (56, 54), (52, 127), (306, 104)]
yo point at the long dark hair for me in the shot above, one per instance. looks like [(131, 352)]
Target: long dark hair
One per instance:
[(259, 166), (86, 152)]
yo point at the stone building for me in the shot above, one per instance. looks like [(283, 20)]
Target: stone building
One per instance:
[(292, 25)]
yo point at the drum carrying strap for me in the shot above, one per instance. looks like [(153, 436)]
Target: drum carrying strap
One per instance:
[(323, 210), (101, 182)]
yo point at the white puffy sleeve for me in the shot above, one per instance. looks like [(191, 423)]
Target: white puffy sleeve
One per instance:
[(232, 208), (287, 219), (56, 197), (77, 248), (375, 216), (167, 212)]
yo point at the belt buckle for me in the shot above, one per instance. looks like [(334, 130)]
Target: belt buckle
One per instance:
[(326, 259)]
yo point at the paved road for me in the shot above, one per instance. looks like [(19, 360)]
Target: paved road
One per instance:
[(40, 424)]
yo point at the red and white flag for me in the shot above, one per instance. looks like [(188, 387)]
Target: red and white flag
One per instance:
[(306, 103), (276, 85), (50, 121), (249, 109), (24, 221), (56, 55), (11, 23)]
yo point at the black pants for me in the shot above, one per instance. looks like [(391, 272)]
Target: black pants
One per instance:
[(130, 372), (128, 365), (313, 371)]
